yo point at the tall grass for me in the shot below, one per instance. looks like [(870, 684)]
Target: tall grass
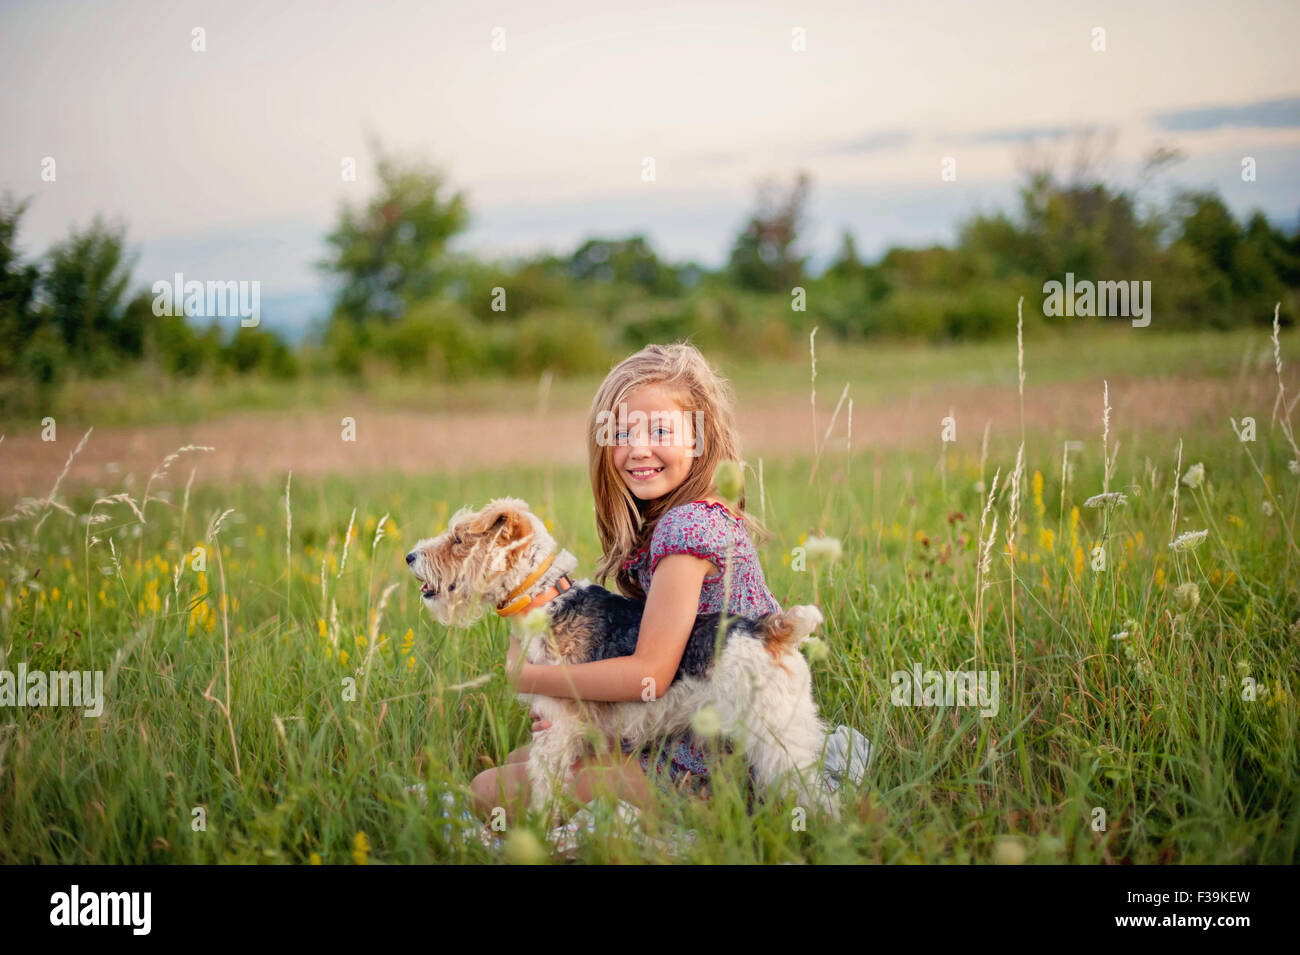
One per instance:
[(288, 701)]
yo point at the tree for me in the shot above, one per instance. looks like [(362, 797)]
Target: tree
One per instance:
[(390, 253), (18, 283), (630, 260), (84, 288), (847, 266), (763, 256)]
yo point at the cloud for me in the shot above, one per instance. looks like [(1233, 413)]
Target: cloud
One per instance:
[(1273, 113), (870, 143), (1024, 134)]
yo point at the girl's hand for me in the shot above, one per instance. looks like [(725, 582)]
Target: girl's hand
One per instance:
[(539, 724)]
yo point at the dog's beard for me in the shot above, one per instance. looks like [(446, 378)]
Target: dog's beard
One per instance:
[(455, 612), (453, 605)]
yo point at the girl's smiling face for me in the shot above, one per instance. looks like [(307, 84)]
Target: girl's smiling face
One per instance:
[(652, 445)]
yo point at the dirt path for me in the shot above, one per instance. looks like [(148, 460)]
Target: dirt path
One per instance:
[(266, 445)]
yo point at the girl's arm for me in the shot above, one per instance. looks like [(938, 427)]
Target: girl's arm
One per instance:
[(666, 623)]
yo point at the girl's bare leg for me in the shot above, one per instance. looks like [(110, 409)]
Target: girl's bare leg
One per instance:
[(613, 774), (616, 774), (505, 786)]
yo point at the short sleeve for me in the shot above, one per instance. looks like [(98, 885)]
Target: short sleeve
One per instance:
[(696, 529)]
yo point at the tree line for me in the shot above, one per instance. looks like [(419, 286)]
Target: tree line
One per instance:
[(403, 300)]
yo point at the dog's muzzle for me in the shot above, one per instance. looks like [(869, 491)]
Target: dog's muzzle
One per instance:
[(426, 590)]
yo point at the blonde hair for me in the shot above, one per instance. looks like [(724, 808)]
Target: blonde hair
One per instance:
[(624, 522)]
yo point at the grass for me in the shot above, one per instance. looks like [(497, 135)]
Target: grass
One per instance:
[(227, 694), (879, 371)]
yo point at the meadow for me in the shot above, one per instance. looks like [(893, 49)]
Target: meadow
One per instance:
[(273, 685)]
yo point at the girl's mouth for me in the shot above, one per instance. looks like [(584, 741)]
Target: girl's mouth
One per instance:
[(644, 474)]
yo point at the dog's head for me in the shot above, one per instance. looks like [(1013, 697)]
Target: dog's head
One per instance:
[(478, 559)]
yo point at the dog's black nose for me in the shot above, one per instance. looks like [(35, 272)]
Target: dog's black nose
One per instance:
[(410, 558)]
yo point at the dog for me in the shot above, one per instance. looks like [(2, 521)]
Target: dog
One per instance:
[(759, 683)]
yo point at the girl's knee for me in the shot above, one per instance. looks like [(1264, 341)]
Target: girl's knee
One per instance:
[(608, 775), (486, 787), (505, 786)]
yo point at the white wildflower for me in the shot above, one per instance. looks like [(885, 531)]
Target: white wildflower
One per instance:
[(1111, 499), (706, 723), (1195, 475), (534, 625), (1122, 635), (1268, 509), (1294, 466), (1008, 850), (1190, 540), (823, 550), (815, 648), (523, 848)]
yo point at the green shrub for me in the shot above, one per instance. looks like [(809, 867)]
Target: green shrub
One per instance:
[(438, 338), (566, 342)]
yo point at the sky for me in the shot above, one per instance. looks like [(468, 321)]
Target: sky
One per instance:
[(226, 162)]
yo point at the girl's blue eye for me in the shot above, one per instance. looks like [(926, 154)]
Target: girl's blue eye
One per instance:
[(621, 437)]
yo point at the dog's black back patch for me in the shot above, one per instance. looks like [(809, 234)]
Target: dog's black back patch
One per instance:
[(616, 621)]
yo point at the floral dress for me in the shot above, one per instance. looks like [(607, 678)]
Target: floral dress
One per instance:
[(702, 529)]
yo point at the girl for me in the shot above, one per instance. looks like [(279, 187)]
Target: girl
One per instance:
[(659, 426)]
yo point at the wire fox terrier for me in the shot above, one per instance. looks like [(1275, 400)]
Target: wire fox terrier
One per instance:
[(759, 684)]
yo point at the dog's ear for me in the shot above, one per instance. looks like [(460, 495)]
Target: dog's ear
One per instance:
[(504, 519)]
